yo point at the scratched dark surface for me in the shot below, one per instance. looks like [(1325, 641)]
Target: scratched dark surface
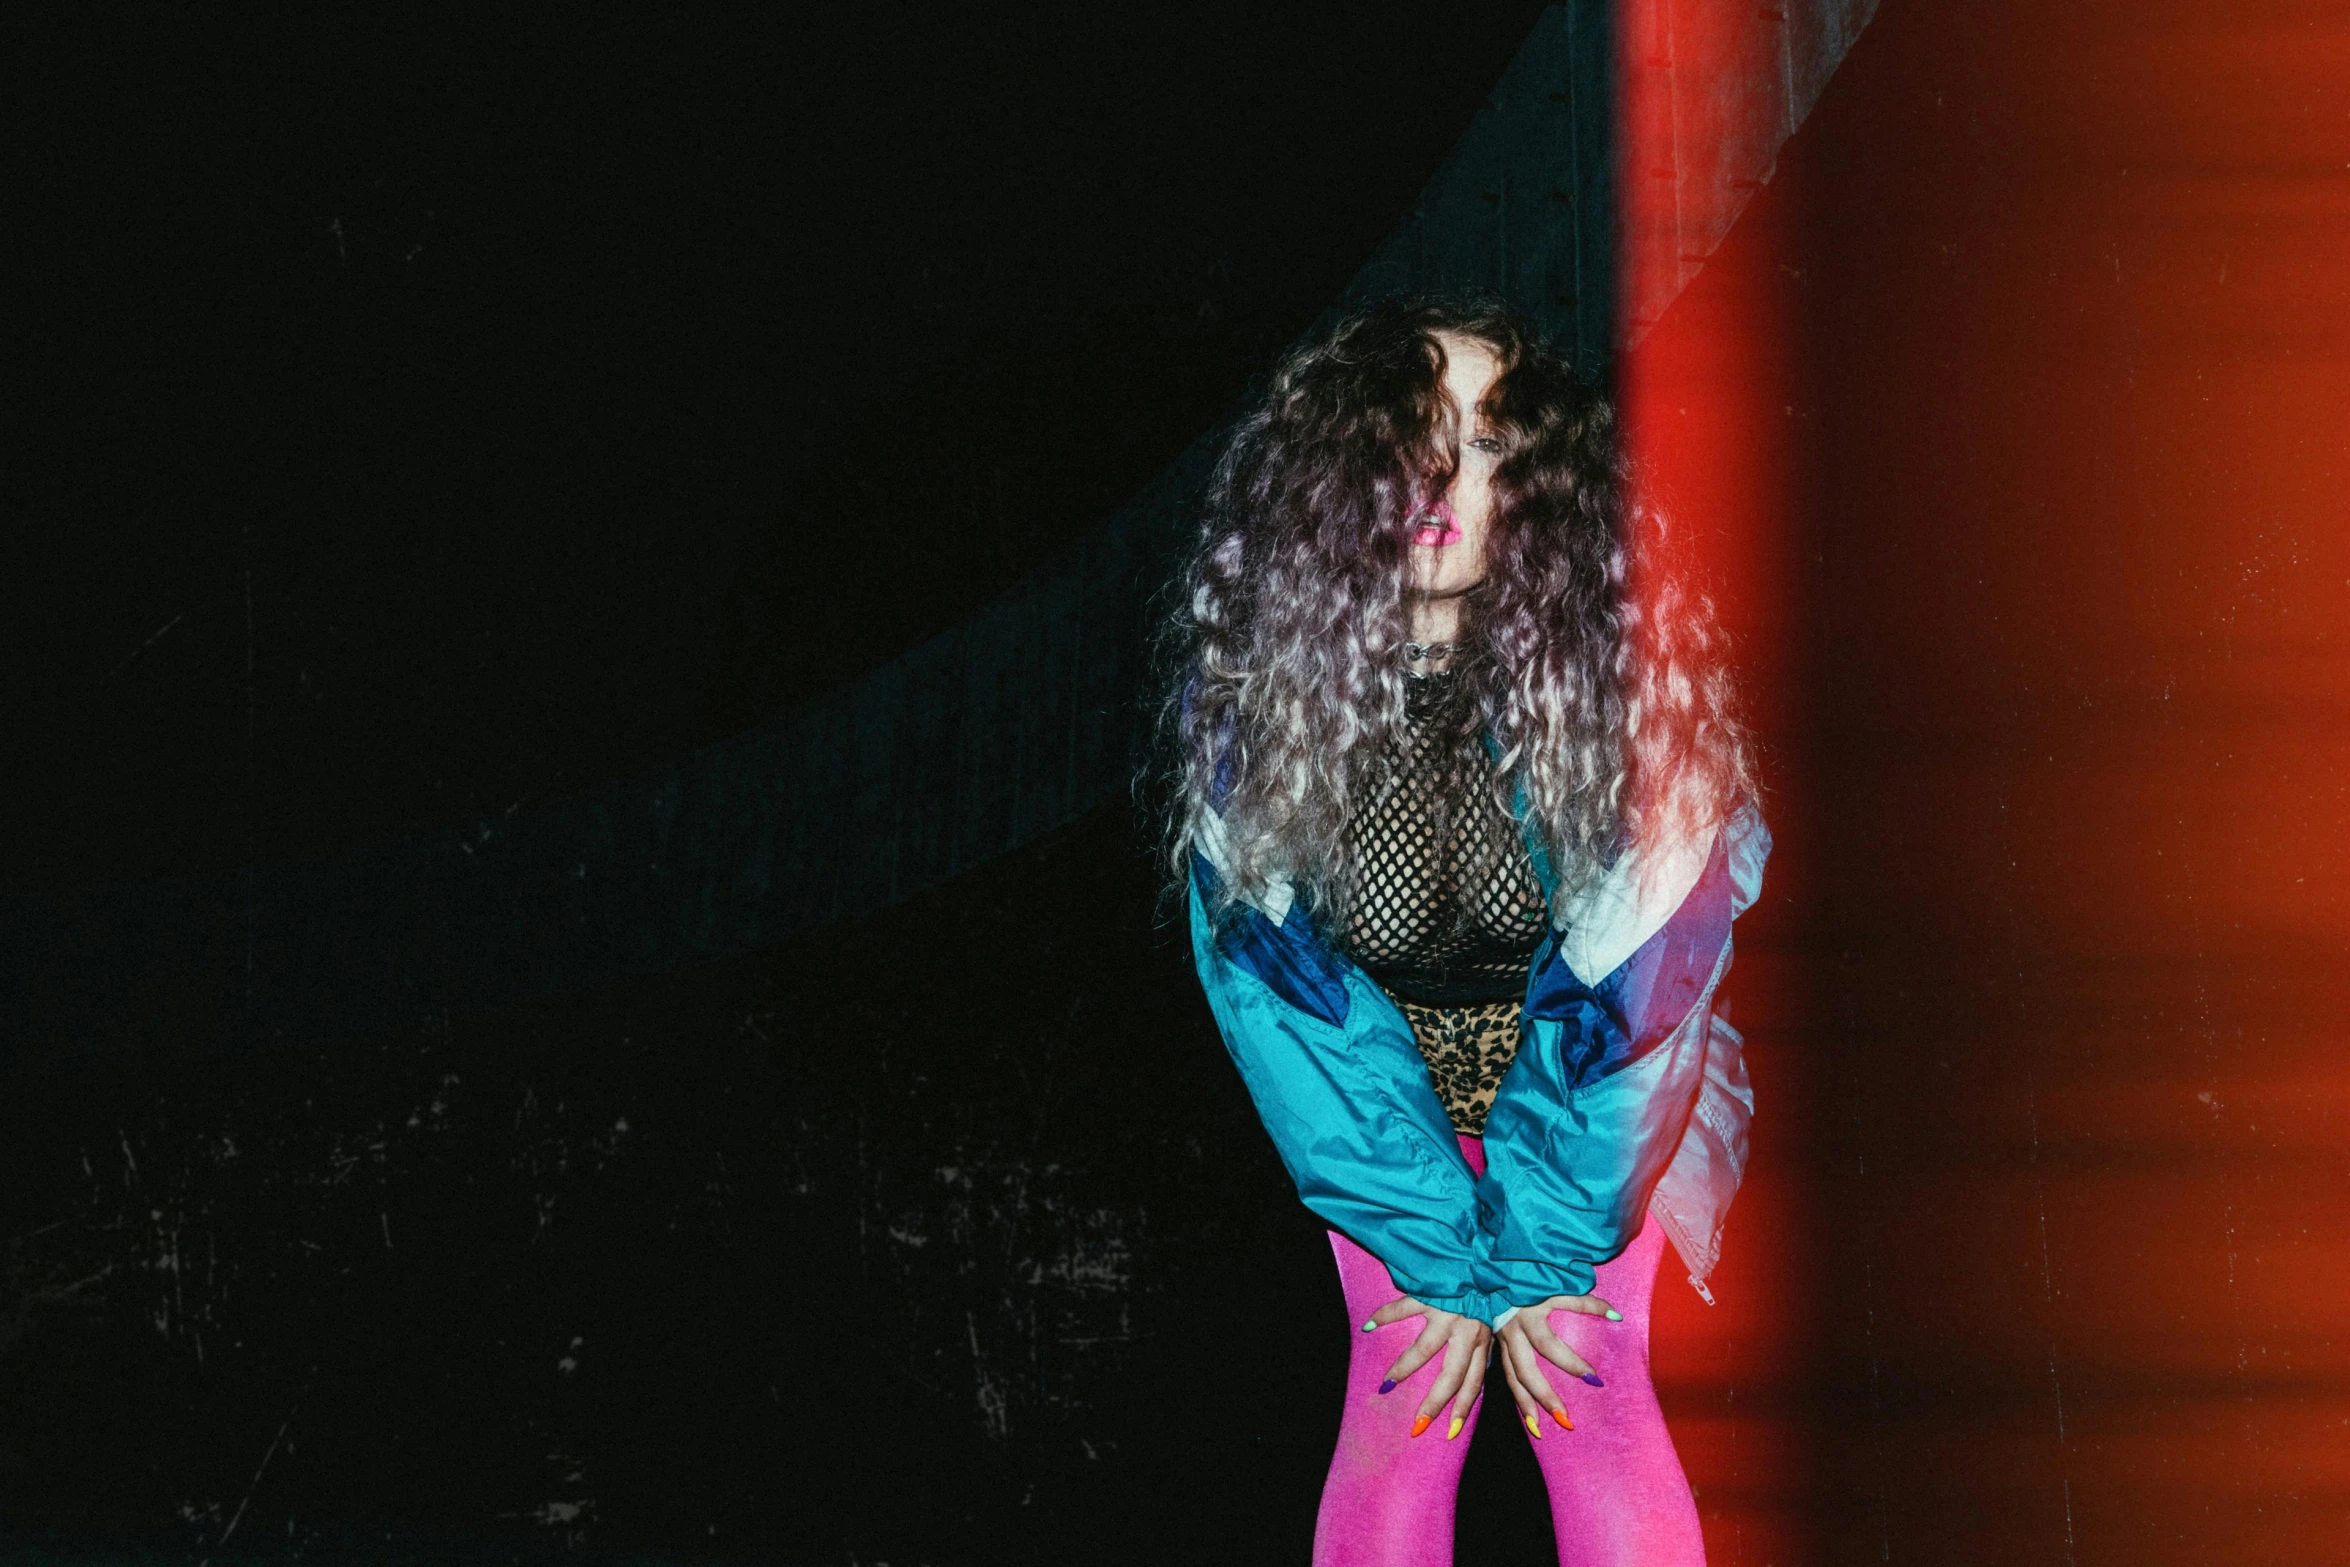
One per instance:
[(419, 419), (903, 1244), (932, 1238)]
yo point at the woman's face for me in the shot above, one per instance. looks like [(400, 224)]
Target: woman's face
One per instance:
[(1448, 544)]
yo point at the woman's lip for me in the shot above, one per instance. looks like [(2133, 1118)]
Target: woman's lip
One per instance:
[(1438, 525)]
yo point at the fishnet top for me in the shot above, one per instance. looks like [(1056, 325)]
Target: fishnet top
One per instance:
[(1446, 909)]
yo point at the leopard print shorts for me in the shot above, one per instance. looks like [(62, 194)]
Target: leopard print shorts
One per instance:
[(1467, 1050)]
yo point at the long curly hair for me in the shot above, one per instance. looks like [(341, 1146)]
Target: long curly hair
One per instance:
[(1599, 675)]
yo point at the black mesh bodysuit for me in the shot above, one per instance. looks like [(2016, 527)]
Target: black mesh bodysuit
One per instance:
[(1447, 910)]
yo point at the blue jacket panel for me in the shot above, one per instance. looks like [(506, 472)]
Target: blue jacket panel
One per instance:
[(1348, 1104), (1598, 1099), (1626, 1094)]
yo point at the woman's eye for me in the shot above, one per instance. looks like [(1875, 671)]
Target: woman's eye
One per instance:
[(1485, 443)]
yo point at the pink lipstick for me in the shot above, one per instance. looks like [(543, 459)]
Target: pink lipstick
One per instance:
[(1437, 525)]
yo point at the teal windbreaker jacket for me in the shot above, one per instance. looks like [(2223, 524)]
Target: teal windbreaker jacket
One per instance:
[(1628, 1095)]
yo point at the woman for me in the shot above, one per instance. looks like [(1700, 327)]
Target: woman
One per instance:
[(1464, 816)]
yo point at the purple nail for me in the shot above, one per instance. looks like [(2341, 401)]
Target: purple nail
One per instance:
[(1387, 1386), (1592, 1377)]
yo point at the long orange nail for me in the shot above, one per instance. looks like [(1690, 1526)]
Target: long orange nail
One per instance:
[(1534, 1428), (1457, 1423), (1560, 1416), (1421, 1424)]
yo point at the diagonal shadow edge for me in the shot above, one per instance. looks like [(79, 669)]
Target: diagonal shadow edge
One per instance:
[(995, 732)]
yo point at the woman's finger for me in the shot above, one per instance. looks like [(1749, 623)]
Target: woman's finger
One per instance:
[(1447, 1383), (1554, 1349), (1529, 1412), (1519, 1356), (1423, 1350), (1395, 1311), (1589, 1305), (1464, 1403), (1527, 1366)]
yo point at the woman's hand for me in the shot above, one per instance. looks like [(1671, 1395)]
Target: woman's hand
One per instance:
[(1466, 1343), (1526, 1341)]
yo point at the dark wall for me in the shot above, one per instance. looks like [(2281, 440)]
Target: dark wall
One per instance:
[(1011, 722), (422, 418), (411, 418)]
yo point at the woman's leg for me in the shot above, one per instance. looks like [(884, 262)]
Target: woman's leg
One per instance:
[(1618, 1497), (1389, 1499)]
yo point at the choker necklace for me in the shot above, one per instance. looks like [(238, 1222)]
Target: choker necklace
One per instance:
[(1423, 652)]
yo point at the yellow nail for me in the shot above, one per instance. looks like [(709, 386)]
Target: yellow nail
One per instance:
[(1534, 1428), (1457, 1423)]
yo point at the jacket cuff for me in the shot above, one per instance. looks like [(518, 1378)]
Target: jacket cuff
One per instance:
[(1505, 1308), (1473, 1304), (1491, 1307)]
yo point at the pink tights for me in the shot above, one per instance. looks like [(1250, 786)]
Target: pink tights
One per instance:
[(1617, 1494)]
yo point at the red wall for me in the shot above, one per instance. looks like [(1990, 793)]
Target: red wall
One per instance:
[(2013, 417)]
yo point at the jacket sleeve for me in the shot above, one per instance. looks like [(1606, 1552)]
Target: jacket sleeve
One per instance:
[(1343, 1092), (1613, 1062), (1693, 1196)]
